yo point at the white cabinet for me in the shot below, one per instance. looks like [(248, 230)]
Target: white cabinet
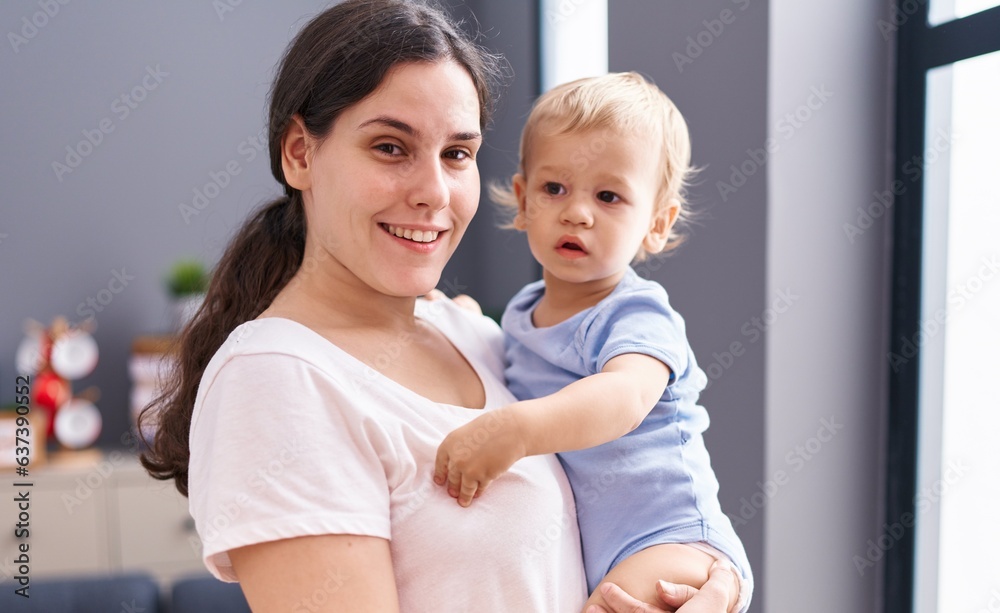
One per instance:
[(96, 514)]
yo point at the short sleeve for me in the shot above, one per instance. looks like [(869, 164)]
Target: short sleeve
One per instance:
[(637, 322), (278, 450)]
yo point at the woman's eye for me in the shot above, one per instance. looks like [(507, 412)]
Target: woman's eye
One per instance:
[(389, 148), (609, 197), (554, 189), (458, 154)]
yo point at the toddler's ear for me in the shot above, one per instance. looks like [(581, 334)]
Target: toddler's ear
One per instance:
[(520, 192), (659, 229)]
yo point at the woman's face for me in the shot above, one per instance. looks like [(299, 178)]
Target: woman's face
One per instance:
[(392, 189)]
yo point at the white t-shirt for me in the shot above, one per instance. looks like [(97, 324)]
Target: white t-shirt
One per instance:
[(291, 436)]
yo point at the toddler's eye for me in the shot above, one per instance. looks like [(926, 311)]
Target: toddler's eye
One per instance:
[(609, 197), (554, 189)]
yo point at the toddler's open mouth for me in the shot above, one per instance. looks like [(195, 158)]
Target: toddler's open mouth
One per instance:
[(571, 243)]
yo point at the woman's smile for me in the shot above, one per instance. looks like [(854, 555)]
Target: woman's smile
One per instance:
[(421, 239)]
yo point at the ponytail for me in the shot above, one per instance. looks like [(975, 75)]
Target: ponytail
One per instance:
[(259, 262)]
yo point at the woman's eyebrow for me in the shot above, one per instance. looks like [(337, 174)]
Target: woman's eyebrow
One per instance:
[(406, 128)]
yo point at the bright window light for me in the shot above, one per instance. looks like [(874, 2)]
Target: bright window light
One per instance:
[(958, 490), (574, 40), (941, 11)]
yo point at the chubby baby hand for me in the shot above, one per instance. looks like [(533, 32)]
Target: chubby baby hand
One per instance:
[(472, 456)]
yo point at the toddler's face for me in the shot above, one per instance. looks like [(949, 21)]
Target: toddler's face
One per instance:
[(587, 202)]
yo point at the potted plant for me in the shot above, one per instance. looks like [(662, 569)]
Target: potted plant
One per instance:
[(187, 283)]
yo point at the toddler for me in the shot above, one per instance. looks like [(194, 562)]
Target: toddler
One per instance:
[(597, 357)]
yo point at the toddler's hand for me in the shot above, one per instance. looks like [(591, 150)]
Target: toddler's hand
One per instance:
[(472, 456)]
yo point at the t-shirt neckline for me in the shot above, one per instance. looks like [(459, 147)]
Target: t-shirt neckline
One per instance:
[(361, 367), (529, 323)]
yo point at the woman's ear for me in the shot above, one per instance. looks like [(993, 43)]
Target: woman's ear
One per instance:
[(659, 229), (296, 154), (520, 192)]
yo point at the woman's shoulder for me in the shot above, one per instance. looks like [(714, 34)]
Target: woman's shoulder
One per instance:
[(270, 361), (273, 346), (275, 336)]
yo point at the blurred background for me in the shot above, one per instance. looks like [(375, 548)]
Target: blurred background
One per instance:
[(134, 140)]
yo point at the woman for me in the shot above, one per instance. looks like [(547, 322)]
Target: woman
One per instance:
[(314, 387)]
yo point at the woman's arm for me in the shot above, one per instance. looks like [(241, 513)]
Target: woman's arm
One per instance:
[(334, 572), (586, 413)]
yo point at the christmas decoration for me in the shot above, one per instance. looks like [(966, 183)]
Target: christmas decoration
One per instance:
[(53, 357)]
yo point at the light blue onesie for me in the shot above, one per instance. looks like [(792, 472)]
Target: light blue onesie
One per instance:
[(655, 484)]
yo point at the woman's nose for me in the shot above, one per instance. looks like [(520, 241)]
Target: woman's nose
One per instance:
[(429, 185)]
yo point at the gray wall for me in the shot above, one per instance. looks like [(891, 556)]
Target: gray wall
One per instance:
[(826, 355), (119, 208), (717, 280)]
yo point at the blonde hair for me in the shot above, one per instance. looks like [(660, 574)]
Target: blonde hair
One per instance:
[(627, 104)]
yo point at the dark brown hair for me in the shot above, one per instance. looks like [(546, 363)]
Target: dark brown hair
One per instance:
[(339, 58)]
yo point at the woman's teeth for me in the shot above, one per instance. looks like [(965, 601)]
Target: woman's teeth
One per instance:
[(417, 236)]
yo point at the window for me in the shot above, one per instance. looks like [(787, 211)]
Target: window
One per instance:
[(574, 40), (943, 490), (946, 10)]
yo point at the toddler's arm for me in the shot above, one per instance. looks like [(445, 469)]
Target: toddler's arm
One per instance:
[(586, 413)]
